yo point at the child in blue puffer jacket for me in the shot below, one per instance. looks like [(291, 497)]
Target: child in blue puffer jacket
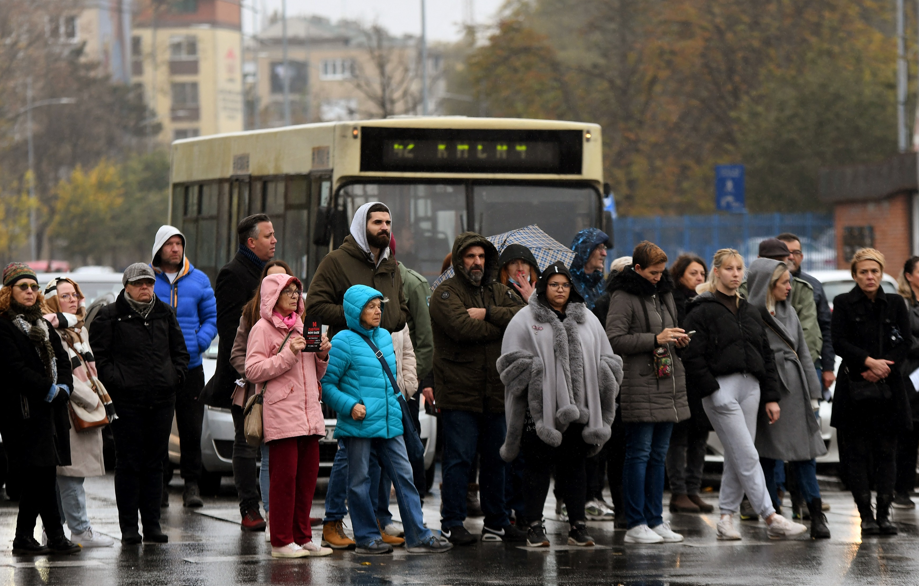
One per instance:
[(357, 387)]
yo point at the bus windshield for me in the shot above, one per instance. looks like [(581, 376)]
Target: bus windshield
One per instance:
[(427, 217)]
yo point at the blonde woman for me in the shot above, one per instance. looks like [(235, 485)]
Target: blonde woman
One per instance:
[(729, 363)]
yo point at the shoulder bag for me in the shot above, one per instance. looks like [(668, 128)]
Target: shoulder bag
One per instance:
[(252, 412), (85, 419)]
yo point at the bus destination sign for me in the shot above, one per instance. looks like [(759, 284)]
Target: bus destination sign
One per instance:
[(470, 151)]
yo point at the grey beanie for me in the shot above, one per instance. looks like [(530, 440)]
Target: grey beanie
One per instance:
[(137, 272)]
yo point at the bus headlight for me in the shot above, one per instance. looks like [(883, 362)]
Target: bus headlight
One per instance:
[(355, 132)]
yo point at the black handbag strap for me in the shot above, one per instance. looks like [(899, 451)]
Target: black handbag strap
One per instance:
[(287, 337), (379, 355)]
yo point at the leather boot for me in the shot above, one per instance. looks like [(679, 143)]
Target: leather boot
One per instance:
[(863, 502), (819, 530), (680, 503), (884, 524)]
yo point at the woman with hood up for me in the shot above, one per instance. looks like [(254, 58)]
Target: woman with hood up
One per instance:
[(518, 270), (795, 436), (292, 417), (66, 307), (561, 378)]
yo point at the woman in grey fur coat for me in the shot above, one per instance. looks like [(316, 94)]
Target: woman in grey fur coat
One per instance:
[(561, 379), (795, 436)]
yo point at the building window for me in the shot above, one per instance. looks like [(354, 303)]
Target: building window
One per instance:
[(297, 70), (137, 56), (180, 133), (336, 69), (185, 102), (342, 109), (184, 6), (183, 48), (63, 29)]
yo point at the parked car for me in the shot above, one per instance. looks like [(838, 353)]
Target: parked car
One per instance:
[(217, 436)]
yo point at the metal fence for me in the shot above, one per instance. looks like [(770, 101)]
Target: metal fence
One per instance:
[(703, 235)]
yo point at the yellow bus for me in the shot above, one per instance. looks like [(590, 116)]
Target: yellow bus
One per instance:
[(439, 176)]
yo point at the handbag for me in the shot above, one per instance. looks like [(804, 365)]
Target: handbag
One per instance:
[(661, 359), (84, 419), (252, 412), (413, 447)]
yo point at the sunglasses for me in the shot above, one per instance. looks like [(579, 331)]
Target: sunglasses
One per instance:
[(25, 287)]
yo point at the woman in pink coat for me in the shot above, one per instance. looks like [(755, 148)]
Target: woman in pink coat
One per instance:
[(292, 417)]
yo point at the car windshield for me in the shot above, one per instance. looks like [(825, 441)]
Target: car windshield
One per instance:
[(834, 288), (427, 217)]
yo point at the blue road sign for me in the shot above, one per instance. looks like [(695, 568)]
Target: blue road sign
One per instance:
[(729, 188)]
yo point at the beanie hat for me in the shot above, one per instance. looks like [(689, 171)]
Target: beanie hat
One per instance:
[(137, 272), (16, 271)]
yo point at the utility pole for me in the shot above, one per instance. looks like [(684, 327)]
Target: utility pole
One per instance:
[(902, 81), (33, 243), (424, 62), (286, 79)]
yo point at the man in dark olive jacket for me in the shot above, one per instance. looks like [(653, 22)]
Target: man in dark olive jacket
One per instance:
[(469, 312)]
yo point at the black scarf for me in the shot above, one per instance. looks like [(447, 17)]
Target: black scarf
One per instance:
[(37, 332)]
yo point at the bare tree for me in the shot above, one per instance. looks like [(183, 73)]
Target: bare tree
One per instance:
[(390, 76)]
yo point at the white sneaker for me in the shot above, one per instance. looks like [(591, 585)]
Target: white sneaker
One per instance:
[(394, 529), (90, 538), (726, 530), (782, 528), (315, 551), (608, 513), (291, 550), (267, 530), (642, 534), (666, 533), (44, 538)]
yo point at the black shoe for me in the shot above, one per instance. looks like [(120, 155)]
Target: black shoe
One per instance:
[(130, 538), (29, 546), (164, 500), (578, 536), (883, 515), (536, 536), (819, 529), (191, 498), (870, 527), (458, 535), (374, 548), (508, 533), (63, 546), (902, 501), (155, 536)]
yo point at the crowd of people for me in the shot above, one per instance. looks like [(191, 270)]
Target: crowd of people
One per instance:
[(558, 371)]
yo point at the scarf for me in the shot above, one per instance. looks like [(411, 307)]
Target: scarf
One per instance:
[(244, 250), (290, 321), (143, 309), (30, 321)]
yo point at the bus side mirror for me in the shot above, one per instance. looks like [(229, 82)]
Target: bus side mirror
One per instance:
[(322, 227)]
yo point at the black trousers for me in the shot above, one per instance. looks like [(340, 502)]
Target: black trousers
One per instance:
[(189, 414), (141, 443), (419, 479), (38, 499), (245, 470), (610, 460), (907, 452), (567, 460), (871, 456)]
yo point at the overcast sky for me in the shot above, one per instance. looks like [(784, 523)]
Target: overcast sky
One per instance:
[(444, 17)]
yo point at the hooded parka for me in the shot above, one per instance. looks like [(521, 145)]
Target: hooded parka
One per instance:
[(291, 401), (465, 349), (639, 310)]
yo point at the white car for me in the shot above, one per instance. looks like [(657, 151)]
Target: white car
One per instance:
[(217, 436), (834, 282)]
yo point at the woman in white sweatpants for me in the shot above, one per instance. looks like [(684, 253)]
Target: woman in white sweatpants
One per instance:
[(730, 364)]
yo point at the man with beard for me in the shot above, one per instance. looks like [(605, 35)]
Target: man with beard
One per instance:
[(363, 258), (469, 312)]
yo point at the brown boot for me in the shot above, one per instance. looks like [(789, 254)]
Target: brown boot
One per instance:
[(680, 503), (334, 536), (703, 506), (390, 539)]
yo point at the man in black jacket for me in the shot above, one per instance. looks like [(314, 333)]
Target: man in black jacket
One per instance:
[(142, 361), (236, 284)]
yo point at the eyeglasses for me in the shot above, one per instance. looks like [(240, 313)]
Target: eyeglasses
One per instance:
[(292, 293), (25, 287), (560, 285), (797, 253), (69, 296), (143, 283)]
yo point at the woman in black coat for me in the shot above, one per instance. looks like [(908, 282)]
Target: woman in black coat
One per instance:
[(142, 360), (33, 408), (870, 334)]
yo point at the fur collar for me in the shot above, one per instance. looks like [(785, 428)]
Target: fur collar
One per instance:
[(575, 310), (633, 283)]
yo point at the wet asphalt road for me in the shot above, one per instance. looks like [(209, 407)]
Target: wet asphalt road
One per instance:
[(207, 547)]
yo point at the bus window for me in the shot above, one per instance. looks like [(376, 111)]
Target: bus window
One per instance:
[(274, 197), (427, 217), (560, 211)]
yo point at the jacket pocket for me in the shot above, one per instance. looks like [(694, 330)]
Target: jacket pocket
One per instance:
[(275, 396)]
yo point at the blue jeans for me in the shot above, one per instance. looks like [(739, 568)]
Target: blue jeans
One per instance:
[(335, 506), (263, 479), (805, 473), (71, 499), (394, 460), (466, 433), (381, 479), (646, 447)]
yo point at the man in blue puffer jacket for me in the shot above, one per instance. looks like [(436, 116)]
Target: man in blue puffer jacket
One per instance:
[(188, 291), (359, 389)]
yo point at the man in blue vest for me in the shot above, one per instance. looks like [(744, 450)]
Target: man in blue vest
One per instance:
[(188, 291)]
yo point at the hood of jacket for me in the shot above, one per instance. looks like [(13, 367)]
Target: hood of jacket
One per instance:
[(271, 291), (583, 244), (633, 283), (356, 298), (464, 241), (162, 235), (758, 276), (517, 252), (359, 228), (557, 268)]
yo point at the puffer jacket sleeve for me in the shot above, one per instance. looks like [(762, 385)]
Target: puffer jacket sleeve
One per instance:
[(263, 363), (699, 377), (207, 315), (408, 366), (339, 362), (619, 325)]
